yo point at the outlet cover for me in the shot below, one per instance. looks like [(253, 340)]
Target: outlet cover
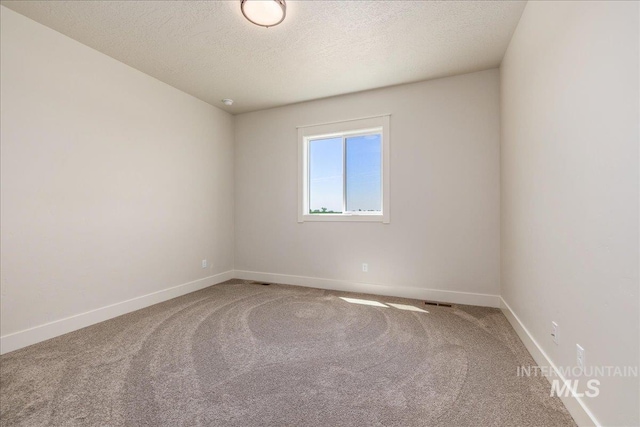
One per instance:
[(580, 356)]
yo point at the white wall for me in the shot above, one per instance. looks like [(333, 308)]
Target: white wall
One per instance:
[(444, 230), (570, 190), (114, 185)]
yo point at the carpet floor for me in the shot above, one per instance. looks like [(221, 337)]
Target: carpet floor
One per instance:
[(242, 354)]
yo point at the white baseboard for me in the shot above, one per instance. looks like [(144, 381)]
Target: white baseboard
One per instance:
[(575, 405), (56, 328), (484, 300)]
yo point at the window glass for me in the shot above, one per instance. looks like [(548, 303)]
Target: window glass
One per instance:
[(364, 173), (325, 175)]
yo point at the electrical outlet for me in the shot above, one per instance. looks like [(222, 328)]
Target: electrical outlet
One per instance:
[(580, 356), (555, 331), (204, 263), (365, 267)]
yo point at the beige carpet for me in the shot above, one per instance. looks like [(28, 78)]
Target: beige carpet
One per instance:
[(242, 354)]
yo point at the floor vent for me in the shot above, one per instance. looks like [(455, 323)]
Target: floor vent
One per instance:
[(440, 304), (253, 282)]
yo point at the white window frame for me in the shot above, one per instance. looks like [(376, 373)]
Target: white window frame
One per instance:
[(346, 128)]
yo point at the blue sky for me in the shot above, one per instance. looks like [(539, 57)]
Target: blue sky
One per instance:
[(363, 168)]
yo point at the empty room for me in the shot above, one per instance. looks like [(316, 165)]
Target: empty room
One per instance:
[(320, 213)]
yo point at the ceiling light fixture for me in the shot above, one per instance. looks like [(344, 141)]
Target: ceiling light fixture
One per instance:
[(227, 101), (265, 13)]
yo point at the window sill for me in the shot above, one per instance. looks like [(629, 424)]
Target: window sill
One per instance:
[(342, 217)]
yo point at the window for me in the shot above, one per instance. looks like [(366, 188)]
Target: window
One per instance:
[(344, 171)]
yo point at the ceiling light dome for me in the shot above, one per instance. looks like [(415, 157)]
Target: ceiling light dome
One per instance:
[(265, 13)]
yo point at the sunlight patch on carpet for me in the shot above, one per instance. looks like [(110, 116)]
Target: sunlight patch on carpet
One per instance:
[(363, 302), (407, 307)]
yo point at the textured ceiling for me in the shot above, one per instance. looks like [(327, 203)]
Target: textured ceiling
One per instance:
[(323, 48)]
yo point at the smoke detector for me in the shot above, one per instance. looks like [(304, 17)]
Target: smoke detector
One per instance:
[(227, 101)]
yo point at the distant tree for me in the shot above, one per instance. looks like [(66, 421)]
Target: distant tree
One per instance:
[(324, 210)]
